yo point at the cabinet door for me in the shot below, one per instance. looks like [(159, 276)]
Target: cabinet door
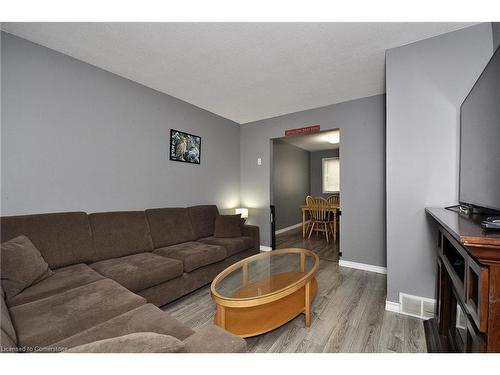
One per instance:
[(477, 294), (476, 342)]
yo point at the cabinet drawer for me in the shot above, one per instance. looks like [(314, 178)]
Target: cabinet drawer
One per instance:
[(477, 294)]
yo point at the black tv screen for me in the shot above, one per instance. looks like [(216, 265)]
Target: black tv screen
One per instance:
[(480, 140)]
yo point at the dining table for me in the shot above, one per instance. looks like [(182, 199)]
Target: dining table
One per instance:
[(332, 207)]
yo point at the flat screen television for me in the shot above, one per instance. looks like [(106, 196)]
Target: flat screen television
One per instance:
[(480, 140)]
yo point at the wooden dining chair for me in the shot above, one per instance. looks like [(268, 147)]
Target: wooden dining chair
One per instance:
[(309, 202), (333, 199), (319, 217)]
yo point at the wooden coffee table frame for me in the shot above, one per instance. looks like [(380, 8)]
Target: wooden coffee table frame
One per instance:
[(253, 316)]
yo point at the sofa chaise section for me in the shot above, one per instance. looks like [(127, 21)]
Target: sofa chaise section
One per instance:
[(146, 318), (45, 321)]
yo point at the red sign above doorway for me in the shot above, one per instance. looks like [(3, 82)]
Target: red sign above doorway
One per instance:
[(304, 130)]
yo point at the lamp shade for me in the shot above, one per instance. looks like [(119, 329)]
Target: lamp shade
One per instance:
[(243, 212)]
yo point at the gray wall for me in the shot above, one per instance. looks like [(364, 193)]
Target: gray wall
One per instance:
[(362, 129), (426, 83), (290, 179), (496, 34), (75, 137), (317, 171)]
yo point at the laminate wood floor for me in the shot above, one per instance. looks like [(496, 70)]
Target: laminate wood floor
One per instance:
[(317, 243), (348, 315)]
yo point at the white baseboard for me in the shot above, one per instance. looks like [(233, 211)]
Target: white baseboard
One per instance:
[(363, 266), (265, 248), (392, 306), (283, 230)]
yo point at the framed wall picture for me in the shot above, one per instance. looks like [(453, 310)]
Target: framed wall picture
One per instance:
[(185, 147)]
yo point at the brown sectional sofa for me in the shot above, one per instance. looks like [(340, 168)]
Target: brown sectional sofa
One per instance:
[(111, 269)]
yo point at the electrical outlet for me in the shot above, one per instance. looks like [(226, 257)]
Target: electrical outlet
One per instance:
[(259, 161)]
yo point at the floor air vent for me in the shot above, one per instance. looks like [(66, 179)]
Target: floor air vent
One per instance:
[(419, 307)]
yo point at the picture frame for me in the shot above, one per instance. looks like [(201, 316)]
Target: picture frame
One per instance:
[(184, 147)]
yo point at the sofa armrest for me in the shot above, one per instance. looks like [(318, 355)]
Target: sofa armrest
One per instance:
[(252, 231), (212, 339)]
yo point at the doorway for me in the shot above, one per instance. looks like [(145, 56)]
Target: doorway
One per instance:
[(305, 165)]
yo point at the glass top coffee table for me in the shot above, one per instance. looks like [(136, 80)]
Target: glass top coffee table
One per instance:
[(264, 291)]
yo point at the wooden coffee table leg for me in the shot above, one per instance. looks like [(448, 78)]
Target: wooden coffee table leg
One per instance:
[(307, 307)]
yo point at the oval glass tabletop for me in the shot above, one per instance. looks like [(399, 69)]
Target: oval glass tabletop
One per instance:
[(265, 274)]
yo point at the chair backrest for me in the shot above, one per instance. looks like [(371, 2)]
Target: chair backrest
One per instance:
[(309, 200), (333, 199), (319, 211)]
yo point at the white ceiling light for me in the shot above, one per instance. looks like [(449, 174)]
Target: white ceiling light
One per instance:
[(332, 137), (326, 140)]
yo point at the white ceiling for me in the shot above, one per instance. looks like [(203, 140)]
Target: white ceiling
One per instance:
[(326, 140), (242, 71)]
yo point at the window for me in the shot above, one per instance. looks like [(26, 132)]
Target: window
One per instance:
[(331, 175)]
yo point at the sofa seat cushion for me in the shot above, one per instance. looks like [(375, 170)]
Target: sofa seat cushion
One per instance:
[(212, 339), (142, 342), (193, 254), (61, 280), (48, 320), (139, 271), (233, 245), (146, 318)]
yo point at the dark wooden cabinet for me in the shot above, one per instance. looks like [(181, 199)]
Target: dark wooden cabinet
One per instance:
[(467, 286)]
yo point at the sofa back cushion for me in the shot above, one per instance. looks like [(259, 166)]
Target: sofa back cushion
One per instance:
[(117, 234), (63, 239), (227, 226), (22, 265), (203, 220), (170, 226)]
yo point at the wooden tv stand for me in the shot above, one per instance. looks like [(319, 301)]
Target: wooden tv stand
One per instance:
[(467, 285)]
